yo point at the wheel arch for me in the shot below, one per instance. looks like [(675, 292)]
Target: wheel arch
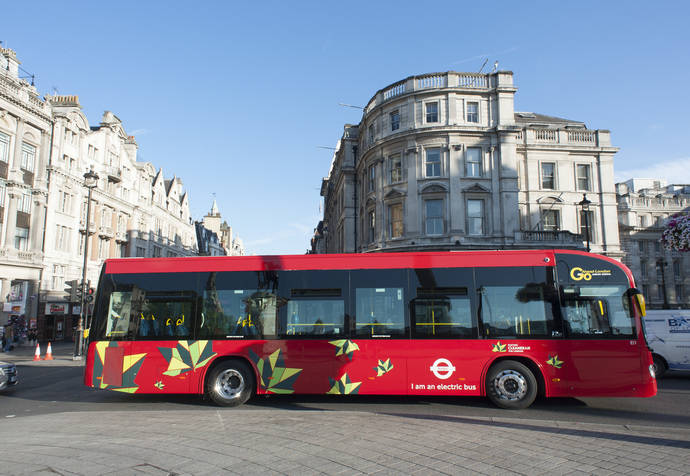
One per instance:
[(531, 364), (227, 358)]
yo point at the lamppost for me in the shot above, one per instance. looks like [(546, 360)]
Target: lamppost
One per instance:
[(90, 182), (585, 211), (662, 264)]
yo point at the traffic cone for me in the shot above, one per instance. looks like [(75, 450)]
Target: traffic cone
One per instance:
[(37, 355), (49, 353)]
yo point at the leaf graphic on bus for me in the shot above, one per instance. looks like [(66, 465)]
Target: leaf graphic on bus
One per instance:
[(344, 347), (498, 347), (186, 356), (383, 367), (274, 377), (553, 360), (343, 386)]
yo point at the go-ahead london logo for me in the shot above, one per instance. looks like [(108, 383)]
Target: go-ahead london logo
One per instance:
[(442, 368)]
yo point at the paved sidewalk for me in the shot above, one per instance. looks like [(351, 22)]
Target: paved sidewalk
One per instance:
[(304, 442), (24, 353)]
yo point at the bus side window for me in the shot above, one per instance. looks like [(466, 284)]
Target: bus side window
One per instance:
[(517, 302), (380, 311), (442, 313)]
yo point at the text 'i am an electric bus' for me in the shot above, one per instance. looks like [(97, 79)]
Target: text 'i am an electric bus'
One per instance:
[(509, 325)]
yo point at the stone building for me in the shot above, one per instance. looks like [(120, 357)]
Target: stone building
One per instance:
[(213, 221), (46, 146), (442, 161), (644, 205), (25, 133)]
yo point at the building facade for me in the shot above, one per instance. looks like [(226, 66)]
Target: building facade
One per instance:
[(644, 205), (442, 161), (46, 147)]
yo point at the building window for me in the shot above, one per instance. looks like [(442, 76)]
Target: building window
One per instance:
[(371, 134), (123, 250), (473, 162), (24, 202), (371, 178), (659, 272), (395, 165), (371, 226), (643, 269), (641, 245), (657, 247), (676, 270), (103, 246), (395, 120), (642, 221), (21, 239), (434, 217), (395, 217), (583, 176), (4, 147), (431, 112), (550, 220), (28, 157), (547, 176), (156, 251), (679, 292), (475, 217), (472, 112), (2, 195), (433, 163), (141, 251)]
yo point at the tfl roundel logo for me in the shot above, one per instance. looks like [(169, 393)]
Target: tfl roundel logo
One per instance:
[(442, 368)]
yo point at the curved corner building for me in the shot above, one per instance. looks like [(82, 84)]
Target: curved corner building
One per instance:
[(442, 161)]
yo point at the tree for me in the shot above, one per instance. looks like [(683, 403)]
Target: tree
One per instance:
[(676, 235)]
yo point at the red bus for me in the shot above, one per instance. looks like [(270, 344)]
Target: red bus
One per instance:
[(510, 325)]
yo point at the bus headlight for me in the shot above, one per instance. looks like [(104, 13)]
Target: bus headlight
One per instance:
[(651, 371)]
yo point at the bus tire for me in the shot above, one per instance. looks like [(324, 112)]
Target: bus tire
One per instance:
[(230, 383), (510, 384), (660, 366)]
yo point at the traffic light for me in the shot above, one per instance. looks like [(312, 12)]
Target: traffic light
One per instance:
[(71, 288), (78, 295), (89, 295)]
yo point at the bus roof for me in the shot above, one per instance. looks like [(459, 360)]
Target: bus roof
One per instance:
[(447, 259)]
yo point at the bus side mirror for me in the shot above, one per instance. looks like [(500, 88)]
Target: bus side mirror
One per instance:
[(639, 298)]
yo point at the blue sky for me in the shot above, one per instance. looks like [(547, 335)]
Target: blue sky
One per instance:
[(235, 98)]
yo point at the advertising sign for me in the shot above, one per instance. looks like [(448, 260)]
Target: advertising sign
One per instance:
[(56, 308)]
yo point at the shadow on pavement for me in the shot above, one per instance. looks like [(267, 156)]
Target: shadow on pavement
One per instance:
[(647, 440)]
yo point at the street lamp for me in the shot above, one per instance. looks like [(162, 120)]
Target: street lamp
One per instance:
[(662, 264), (90, 182), (585, 209)]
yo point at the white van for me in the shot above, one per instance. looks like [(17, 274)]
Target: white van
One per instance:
[(668, 335)]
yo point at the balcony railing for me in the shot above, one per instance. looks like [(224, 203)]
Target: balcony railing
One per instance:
[(541, 236), (579, 138), (450, 79)]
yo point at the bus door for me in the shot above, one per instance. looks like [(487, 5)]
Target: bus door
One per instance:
[(444, 356), (602, 351)]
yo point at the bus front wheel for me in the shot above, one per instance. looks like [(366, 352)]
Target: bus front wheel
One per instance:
[(230, 383), (660, 366), (510, 384)]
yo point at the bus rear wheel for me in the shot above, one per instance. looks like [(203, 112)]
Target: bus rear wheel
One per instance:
[(230, 383), (510, 384)]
